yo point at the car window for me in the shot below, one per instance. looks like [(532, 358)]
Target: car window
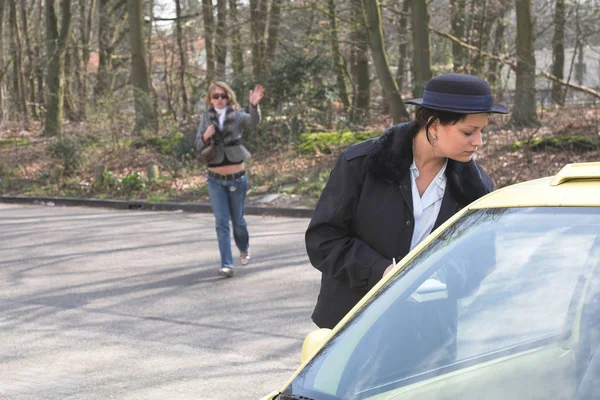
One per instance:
[(498, 282)]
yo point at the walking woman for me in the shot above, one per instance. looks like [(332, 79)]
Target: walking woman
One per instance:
[(224, 123), (385, 195)]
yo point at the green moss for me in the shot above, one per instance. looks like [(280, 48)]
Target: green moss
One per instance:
[(10, 142), (560, 142), (325, 142)]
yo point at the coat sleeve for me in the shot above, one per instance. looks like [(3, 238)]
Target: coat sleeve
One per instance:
[(202, 126), (330, 244), (250, 120)]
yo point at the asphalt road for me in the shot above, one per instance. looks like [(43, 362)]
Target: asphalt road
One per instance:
[(105, 304)]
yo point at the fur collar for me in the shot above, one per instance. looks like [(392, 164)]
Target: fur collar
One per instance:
[(392, 154), (213, 118)]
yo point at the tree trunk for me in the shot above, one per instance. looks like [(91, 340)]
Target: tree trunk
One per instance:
[(457, 30), (105, 57), (207, 17), (421, 45), (221, 42), (111, 31), (524, 111), (86, 33), (29, 77), (403, 47), (39, 67), (1, 60), (56, 45), (273, 41), (257, 26), (372, 15), (237, 55), (360, 61), (19, 84), (495, 67), (338, 61), (145, 119), (483, 26), (70, 110), (558, 51), (182, 62)]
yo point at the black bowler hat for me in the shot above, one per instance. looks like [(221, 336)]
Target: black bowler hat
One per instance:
[(459, 93)]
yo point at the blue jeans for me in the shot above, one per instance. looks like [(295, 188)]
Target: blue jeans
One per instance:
[(227, 199)]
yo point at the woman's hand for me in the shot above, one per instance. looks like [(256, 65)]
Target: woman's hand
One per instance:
[(388, 269), (210, 131), (256, 95)]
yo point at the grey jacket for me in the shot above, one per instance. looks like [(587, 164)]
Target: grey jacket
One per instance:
[(229, 140)]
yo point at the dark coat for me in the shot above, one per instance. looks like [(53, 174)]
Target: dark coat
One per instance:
[(364, 217)]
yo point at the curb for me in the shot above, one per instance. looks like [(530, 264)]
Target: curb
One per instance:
[(147, 206)]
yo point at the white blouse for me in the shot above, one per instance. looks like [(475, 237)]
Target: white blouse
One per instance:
[(426, 208)]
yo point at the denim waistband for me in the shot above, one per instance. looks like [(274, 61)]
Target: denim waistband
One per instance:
[(228, 177)]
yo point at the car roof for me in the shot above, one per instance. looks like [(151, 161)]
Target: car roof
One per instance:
[(575, 185)]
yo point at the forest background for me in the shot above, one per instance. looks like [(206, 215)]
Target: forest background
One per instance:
[(101, 98)]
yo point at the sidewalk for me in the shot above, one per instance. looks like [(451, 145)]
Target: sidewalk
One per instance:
[(299, 212)]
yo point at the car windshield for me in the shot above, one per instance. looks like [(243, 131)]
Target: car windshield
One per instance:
[(505, 303)]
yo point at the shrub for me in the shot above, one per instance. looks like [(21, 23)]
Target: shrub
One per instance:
[(132, 182), (68, 152)]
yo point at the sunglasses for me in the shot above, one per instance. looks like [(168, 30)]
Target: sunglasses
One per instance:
[(216, 96)]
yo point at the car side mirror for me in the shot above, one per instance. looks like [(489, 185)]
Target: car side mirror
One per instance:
[(313, 342)]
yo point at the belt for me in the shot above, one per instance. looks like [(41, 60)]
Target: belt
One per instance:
[(228, 177)]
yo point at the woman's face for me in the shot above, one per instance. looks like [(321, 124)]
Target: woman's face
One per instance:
[(219, 98), (460, 141)]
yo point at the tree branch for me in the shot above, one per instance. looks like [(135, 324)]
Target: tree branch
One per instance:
[(513, 65)]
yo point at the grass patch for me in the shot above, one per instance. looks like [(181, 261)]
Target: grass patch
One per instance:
[(158, 197)]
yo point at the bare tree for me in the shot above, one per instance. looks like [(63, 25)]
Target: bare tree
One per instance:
[(29, 79), (19, 78), (258, 17), (338, 61), (524, 111), (112, 30), (145, 118), (87, 16), (421, 45), (457, 21), (558, 51), (359, 61), (403, 46), (221, 42), (237, 55), (182, 61), (207, 17), (56, 45), (372, 15), (273, 37), (2, 66)]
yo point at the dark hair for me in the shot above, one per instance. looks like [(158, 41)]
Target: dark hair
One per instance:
[(425, 117)]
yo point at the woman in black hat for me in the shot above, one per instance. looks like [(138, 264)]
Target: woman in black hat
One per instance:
[(387, 194)]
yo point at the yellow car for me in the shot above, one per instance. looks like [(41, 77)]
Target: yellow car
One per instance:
[(500, 302)]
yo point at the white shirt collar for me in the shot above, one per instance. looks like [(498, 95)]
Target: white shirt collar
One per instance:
[(440, 179)]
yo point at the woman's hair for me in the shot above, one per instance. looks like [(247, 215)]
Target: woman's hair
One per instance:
[(425, 117), (218, 84)]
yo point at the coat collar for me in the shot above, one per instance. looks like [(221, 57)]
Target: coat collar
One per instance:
[(392, 154)]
